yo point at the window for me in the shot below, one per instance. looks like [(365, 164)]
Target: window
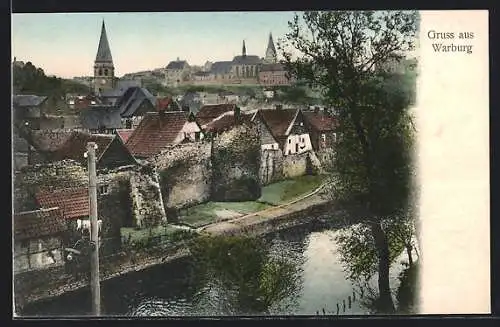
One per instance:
[(289, 141), (100, 72), (106, 72), (334, 136), (103, 189), (197, 136), (323, 137)]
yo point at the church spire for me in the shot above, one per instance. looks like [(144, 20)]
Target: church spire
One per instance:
[(271, 50), (103, 51), (244, 50)]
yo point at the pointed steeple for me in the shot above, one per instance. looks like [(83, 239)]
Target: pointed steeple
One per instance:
[(244, 51), (103, 51), (271, 50)]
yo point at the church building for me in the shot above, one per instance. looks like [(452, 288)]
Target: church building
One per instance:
[(245, 66), (104, 70)]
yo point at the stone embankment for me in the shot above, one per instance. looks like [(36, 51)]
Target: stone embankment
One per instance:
[(300, 211)]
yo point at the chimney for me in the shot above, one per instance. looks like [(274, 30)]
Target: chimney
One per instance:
[(316, 109)]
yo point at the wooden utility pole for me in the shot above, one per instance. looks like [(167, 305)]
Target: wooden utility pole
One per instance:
[(94, 231)]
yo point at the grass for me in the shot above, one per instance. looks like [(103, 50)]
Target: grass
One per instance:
[(138, 235), (205, 214), (272, 195), (288, 190)]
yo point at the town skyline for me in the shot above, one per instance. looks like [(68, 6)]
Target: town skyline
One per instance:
[(70, 57)]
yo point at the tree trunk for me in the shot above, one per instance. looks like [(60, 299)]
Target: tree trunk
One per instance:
[(410, 257), (385, 302)]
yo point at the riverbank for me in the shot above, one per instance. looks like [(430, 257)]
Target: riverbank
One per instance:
[(57, 282)]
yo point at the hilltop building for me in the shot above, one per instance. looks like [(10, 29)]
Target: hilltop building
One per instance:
[(271, 56)]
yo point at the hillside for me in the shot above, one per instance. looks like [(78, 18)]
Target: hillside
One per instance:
[(29, 79)]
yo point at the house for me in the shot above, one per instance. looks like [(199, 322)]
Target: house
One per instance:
[(226, 122), (176, 72), (245, 66), (29, 108), (20, 150), (221, 70), (124, 134), (135, 102), (191, 100), (110, 153), (39, 237), (202, 76), (79, 102), (72, 201), (101, 119), (288, 130), (208, 113), (229, 97), (169, 104), (42, 142), (273, 75), (158, 130), (322, 129)]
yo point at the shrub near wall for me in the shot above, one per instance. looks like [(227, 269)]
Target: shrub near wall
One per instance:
[(236, 165)]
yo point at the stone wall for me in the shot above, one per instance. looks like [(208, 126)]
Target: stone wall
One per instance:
[(185, 175), (236, 165), (114, 208), (38, 253), (295, 165), (271, 166), (146, 198)]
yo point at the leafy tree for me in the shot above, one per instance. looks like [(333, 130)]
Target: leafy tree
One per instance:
[(244, 267), (28, 79), (343, 53)]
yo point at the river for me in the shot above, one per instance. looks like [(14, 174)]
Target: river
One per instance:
[(169, 289)]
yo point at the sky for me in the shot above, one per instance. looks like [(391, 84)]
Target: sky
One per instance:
[(65, 44)]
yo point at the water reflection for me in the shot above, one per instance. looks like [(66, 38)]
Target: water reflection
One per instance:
[(175, 289)]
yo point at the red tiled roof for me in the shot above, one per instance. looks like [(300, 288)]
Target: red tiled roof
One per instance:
[(124, 134), (74, 202), (278, 121), (204, 121), (155, 132), (226, 122), (76, 146), (322, 122), (38, 223), (163, 103), (214, 110)]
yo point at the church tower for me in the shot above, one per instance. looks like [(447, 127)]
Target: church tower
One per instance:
[(104, 70), (244, 50), (271, 56)]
